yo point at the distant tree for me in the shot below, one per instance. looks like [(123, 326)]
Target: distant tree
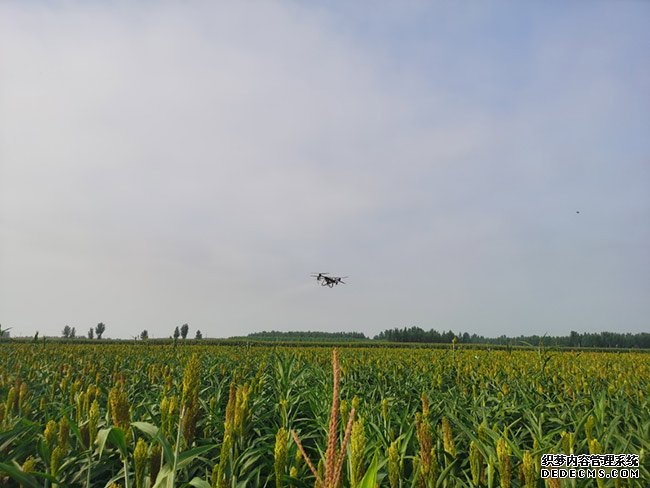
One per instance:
[(198, 335), (144, 335), (73, 333), (177, 333), (100, 329), (574, 339), (36, 337), (91, 333), (307, 336), (66, 331), (184, 330)]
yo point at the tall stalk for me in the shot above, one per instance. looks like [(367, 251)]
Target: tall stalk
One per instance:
[(177, 446)]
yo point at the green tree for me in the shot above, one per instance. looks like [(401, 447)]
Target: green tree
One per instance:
[(184, 330), (198, 335), (66, 331), (144, 335), (100, 329), (177, 333)]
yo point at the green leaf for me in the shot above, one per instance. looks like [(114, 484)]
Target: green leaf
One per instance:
[(446, 471), (102, 438), (164, 478), (370, 478), (75, 430), (199, 483), (43, 451), (7, 438), (149, 429), (17, 474), (114, 436), (156, 435), (190, 455)]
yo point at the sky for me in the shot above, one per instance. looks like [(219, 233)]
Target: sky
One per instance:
[(473, 166)]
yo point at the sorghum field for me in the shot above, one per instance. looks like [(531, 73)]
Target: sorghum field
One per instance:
[(141, 415)]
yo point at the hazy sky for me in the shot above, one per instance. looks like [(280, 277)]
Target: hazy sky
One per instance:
[(172, 162)]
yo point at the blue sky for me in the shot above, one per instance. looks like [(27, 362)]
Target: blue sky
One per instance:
[(166, 163)]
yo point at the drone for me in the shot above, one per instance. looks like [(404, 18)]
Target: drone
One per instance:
[(330, 281)]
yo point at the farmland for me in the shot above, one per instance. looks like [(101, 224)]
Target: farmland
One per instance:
[(139, 415)]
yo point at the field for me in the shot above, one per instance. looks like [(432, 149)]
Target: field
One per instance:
[(139, 415)]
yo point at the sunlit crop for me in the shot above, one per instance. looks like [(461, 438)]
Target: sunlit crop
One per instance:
[(143, 415)]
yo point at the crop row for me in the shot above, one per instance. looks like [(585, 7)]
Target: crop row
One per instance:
[(224, 416)]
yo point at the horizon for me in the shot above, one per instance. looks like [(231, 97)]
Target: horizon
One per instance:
[(472, 167), (191, 334)]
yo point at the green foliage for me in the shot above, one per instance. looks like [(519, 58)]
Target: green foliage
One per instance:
[(97, 413), (307, 336), (416, 334), (184, 330), (100, 329)]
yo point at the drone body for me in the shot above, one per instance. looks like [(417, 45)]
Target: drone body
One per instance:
[(330, 281)]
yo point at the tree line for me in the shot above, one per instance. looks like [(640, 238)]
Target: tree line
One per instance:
[(412, 334), (71, 332), (574, 339), (306, 336)]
